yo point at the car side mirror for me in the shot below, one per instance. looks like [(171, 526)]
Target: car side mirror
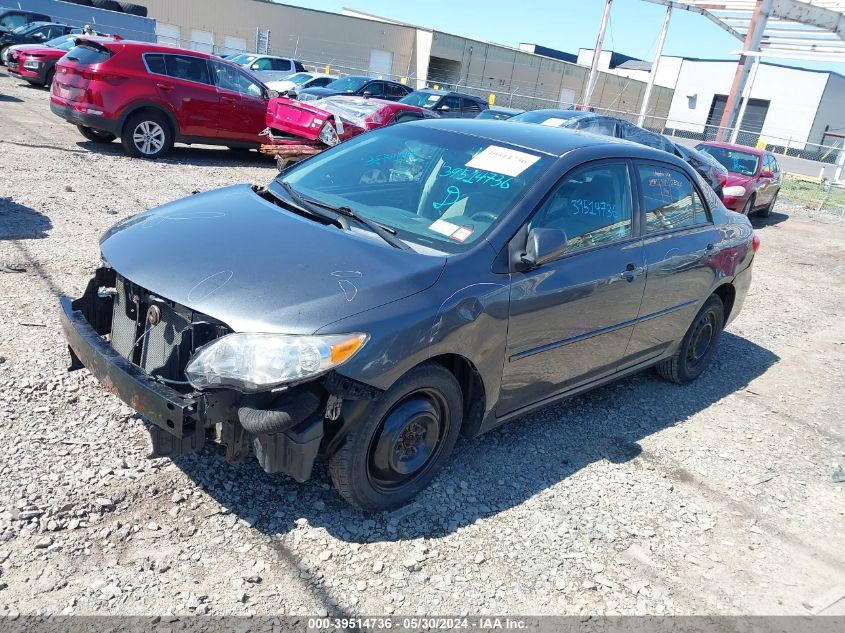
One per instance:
[(767, 174), (543, 245), (367, 94), (38, 36), (254, 66), (444, 108)]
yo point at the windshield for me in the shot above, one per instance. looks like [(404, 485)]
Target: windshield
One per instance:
[(498, 115), (347, 84), (421, 99), (735, 161), (553, 118), (439, 190), (23, 28), (63, 42), (242, 59), (298, 79)]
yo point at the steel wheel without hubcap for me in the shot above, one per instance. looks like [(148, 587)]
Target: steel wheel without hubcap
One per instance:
[(400, 441), (701, 339), (409, 438), (149, 138)]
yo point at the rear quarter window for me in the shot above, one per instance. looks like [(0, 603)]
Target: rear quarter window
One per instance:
[(84, 54)]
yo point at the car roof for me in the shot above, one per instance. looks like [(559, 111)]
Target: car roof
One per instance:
[(150, 47), (733, 146), (548, 140)]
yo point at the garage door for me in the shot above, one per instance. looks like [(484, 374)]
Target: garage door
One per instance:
[(381, 63), (202, 41), (168, 34), (233, 45)]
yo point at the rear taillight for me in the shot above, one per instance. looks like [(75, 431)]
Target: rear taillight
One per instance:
[(755, 242), (96, 75)]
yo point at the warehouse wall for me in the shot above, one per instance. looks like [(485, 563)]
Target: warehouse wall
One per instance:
[(831, 112), (346, 43), (794, 95)]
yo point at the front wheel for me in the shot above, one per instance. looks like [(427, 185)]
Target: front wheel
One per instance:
[(147, 135), (96, 136), (698, 345), (748, 209), (401, 442), (767, 210), (4, 55)]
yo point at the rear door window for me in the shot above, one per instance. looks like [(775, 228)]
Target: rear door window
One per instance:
[(187, 68), (281, 64), (87, 54), (470, 106), (668, 199), (155, 63)]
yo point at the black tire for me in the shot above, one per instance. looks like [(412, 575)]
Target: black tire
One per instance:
[(96, 136), (109, 5), (4, 51), (402, 442), (149, 125), (697, 347), (134, 9), (748, 209), (767, 210)]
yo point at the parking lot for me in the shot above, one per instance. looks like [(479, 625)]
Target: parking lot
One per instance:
[(639, 498)]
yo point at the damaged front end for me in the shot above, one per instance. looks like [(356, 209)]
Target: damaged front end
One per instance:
[(143, 348)]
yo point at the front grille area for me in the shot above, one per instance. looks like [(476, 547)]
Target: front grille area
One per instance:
[(163, 349)]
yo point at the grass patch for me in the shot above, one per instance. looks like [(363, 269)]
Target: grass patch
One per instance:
[(813, 196)]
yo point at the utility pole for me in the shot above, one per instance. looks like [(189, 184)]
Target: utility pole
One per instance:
[(756, 27), (745, 97), (654, 66), (594, 67)]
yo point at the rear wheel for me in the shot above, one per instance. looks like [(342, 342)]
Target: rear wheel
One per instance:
[(96, 136), (698, 345), (767, 210), (402, 442), (147, 134)]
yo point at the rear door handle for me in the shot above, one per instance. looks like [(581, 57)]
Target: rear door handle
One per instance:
[(164, 86), (231, 100)]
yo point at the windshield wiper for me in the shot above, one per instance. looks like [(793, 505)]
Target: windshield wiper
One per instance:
[(312, 208), (386, 233)]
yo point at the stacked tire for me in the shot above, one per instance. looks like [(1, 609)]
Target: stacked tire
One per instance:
[(113, 5)]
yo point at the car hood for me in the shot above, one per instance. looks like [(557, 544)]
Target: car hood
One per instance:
[(737, 179), (257, 267), (33, 48)]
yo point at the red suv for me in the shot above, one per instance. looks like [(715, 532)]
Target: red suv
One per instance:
[(151, 96)]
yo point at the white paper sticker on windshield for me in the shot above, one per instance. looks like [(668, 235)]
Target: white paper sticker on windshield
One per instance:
[(502, 160), (553, 122), (443, 227)]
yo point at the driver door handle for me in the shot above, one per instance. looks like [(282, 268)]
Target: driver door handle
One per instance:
[(631, 272), (167, 87)]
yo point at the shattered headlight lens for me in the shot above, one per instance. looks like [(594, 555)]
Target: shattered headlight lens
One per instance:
[(256, 362), (328, 135)]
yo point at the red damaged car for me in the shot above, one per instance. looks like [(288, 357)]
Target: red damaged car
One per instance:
[(298, 129)]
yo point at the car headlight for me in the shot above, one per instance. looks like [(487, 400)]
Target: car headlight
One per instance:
[(257, 362), (736, 191), (32, 65)]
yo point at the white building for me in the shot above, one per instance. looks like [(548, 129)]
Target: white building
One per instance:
[(789, 106)]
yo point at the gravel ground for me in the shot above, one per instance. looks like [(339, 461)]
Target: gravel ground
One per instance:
[(639, 498)]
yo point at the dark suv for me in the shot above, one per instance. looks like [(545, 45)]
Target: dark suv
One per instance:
[(446, 103), (151, 96), (33, 33)]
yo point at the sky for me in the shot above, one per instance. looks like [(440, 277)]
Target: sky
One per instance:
[(562, 24)]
